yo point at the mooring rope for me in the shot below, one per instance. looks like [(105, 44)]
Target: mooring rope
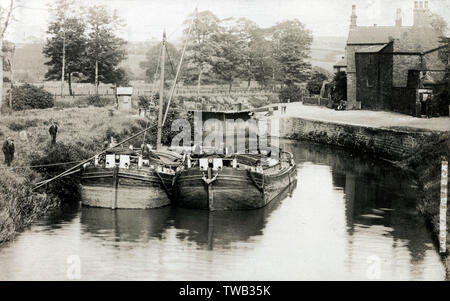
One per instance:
[(43, 165)]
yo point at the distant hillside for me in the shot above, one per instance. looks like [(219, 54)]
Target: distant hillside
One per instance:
[(29, 61), (136, 55), (336, 43), (326, 51)]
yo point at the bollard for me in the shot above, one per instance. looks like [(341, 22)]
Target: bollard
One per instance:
[(443, 207)]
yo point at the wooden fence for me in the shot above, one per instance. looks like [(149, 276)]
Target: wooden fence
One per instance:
[(147, 89)]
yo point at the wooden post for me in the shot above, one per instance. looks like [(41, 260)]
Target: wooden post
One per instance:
[(11, 80), (443, 207), (63, 68), (96, 78), (2, 35)]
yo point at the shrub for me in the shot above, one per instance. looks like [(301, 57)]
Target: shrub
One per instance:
[(291, 93), (23, 124), (98, 101), (315, 83), (71, 103), (30, 97), (144, 102), (5, 109), (339, 91), (18, 205), (65, 188)]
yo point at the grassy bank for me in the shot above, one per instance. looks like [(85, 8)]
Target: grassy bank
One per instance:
[(18, 206), (82, 132)]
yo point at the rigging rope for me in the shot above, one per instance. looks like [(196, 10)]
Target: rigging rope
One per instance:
[(43, 165), (153, 92), (178, 70), (170, 61)]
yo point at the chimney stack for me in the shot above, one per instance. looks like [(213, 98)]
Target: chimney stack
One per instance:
[(398, 20), (353, 18), (421, 14)]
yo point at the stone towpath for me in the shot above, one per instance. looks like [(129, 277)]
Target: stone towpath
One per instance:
[(376, 119)]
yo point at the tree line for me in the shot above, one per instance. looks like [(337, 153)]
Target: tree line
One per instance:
[(225, 50), (82, 44)]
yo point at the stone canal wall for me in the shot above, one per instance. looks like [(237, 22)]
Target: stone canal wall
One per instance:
[(393, 144)]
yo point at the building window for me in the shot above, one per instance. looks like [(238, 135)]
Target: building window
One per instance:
[(369, 84)]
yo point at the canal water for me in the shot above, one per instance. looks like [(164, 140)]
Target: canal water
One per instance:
[(348, 218)]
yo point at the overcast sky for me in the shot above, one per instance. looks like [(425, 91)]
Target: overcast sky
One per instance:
[(146, 19)]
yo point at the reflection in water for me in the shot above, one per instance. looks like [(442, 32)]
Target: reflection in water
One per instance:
[(220, 228), (349, 217), (136, 226), (380, 212), (204, 228)]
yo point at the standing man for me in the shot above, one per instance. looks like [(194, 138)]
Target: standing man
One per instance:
[(53, 130), (8, 150)]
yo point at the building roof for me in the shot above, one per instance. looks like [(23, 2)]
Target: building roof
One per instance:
[(375, 34), (124, 91), (222, 112), (412, 38), (371, 49)]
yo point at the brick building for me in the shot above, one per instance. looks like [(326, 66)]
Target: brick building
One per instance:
[(384, 64)]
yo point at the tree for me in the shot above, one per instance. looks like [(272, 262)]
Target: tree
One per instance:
[(439, 24), (8, 51), (248, 34), (315, 82), (104, 50), (120, 77), (292, 43), (290, 93), (153, 61), (66, 44), (200, 50), (262, 58), (229, 61), (5, 18)]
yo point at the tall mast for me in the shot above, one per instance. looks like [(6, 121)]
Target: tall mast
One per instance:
[(161, 93), (179, 68)]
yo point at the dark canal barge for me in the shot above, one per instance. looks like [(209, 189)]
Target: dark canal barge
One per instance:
[(236, 182)]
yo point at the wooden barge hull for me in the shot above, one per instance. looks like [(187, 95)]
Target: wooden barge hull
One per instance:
[(125, 188), (232, 189)]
